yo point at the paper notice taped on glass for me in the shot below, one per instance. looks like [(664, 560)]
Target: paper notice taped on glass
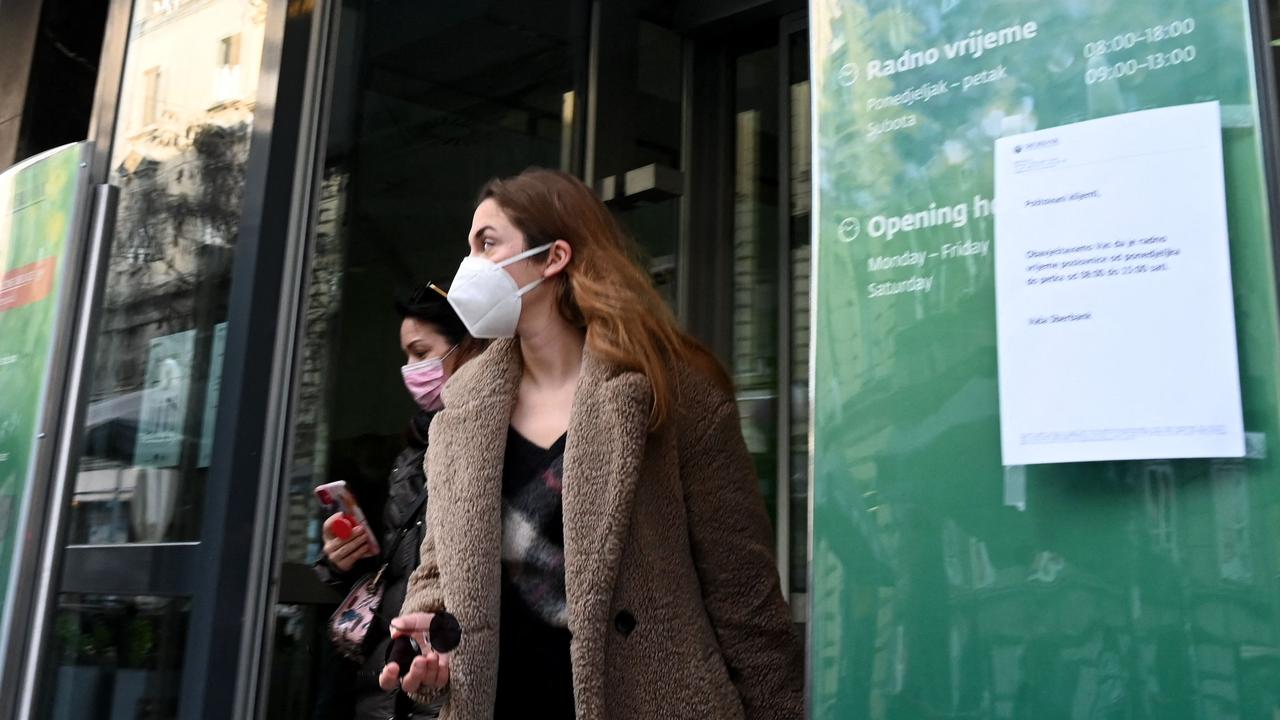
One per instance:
[(1116, 325)]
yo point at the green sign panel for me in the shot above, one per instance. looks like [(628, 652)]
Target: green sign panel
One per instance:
[(38, 202), (945, 584)]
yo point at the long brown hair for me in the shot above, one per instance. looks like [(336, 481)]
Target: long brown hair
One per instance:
[(604, 289)]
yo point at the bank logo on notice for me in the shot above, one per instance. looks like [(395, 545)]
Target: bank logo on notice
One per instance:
[(1037, 145)]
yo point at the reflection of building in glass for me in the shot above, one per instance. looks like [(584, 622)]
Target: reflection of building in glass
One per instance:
[(311, 416), (1024, 630), (182, 143)]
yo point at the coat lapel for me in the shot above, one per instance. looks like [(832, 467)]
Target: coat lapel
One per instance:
[(603, 455), (468, 445)]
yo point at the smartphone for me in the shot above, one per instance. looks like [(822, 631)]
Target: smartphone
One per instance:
[(336, 494)]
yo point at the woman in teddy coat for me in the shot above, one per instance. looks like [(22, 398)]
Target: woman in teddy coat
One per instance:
[(595, 523)]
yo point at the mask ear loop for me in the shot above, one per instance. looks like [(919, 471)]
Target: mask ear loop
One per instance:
[(530, 287), (522, 256), (525, 255), (426, 361)]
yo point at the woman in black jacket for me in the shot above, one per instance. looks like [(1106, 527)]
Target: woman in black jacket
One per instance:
[(435, 343)]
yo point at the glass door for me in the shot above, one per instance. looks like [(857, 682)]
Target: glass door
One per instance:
[(427, 101), (152, 544), (770, 277), (699, 143), (734, 183)]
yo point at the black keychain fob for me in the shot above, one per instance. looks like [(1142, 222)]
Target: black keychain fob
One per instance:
[(444, 634), (402, 651)]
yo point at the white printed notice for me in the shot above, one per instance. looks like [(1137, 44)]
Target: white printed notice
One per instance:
[(1113, 291)]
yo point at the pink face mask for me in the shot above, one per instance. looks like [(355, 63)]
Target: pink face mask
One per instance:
[(424, 381)]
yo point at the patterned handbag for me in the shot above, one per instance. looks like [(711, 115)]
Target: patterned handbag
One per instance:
[(349, 624)]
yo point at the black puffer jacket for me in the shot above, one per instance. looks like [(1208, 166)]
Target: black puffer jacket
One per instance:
[(406, 484)]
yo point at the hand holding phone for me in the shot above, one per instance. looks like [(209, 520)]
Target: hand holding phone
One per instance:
[(346, 532), (344, 553)]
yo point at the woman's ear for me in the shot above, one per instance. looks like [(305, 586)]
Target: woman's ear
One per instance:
[(558, 257)]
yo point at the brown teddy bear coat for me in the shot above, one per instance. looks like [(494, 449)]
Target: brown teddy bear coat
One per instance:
[(675, 606)]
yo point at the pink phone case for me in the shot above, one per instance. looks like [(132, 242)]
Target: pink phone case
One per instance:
[(336, 493)]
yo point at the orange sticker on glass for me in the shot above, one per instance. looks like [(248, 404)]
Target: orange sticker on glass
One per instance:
[(27, 284)]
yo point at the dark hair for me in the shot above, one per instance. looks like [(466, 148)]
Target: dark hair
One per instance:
[(430, 306)]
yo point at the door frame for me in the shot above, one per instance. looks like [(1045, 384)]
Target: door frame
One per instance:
[(789, 26), (709, 147)]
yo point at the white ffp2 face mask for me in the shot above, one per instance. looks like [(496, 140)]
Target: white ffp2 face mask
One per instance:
[(487, 298)]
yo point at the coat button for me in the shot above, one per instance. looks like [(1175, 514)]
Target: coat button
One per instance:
[(624, 622)]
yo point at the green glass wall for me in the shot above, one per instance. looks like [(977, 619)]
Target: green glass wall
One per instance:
[(943, 584)]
